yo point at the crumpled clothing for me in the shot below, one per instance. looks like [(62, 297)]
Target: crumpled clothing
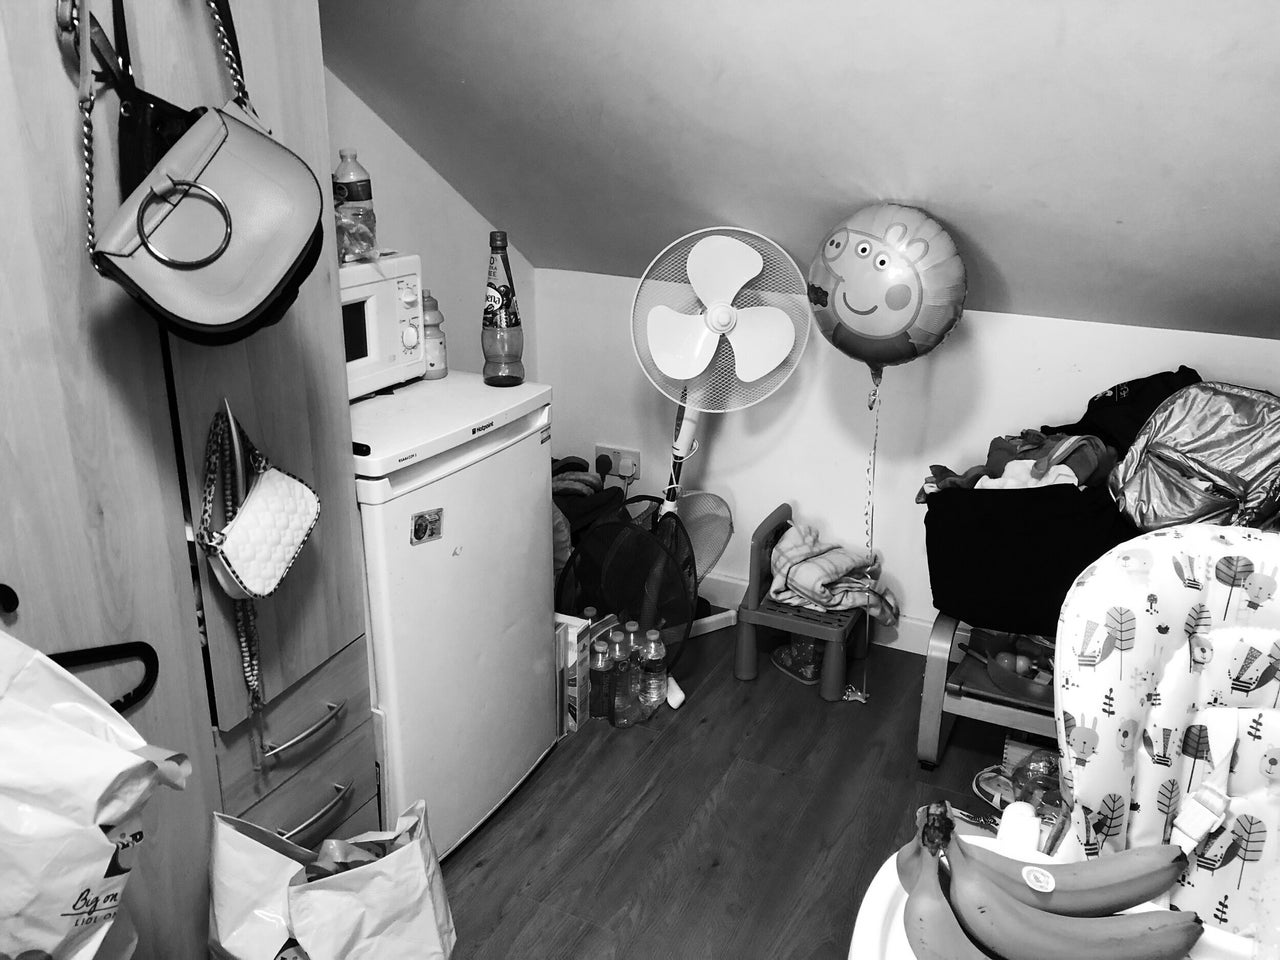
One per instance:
[(1088, 457), (940, 478), (823, 576), (1021, 474)]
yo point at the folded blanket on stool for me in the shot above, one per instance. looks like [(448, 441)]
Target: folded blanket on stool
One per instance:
[(823, 576)]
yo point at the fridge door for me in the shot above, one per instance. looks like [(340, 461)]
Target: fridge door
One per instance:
[(461, 621)]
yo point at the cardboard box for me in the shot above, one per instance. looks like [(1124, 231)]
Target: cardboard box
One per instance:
[(574, 636)]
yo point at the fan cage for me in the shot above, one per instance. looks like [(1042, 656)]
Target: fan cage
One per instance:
[(666, 283)]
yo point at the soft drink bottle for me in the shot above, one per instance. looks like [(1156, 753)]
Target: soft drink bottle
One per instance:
[(501, 336)]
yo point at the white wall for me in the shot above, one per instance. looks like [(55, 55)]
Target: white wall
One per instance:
[(418, 212), (808, 444)]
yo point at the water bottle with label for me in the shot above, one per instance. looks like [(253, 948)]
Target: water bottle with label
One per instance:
[(626, 705), (353, 209), (634, 642), (601, 669), (653, 673), (433, 338)]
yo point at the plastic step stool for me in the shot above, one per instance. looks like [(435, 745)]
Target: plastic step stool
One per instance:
[(833, 628)]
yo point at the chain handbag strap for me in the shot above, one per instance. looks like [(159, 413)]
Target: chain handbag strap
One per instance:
[(230, 56), (220, 465), (230, 53)]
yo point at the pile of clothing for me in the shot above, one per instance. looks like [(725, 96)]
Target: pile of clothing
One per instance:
[(1006, 538), (1081, 453), (809, 572)]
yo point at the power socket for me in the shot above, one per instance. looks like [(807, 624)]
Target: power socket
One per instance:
[(616, 456)]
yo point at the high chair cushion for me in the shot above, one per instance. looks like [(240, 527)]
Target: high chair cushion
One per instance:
[(1167, 672)]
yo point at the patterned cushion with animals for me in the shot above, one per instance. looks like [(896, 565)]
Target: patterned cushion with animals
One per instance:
[(1167, 675)]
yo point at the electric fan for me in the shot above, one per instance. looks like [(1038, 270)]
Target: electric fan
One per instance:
[(719, 322)]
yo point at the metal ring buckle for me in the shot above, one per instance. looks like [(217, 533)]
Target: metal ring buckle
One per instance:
[(154, 197)]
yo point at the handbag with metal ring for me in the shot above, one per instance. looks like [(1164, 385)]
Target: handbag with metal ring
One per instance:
[(217, 238)]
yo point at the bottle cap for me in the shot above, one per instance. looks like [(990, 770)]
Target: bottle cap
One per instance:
[(428, 301), (653, 635), (498, 238), (600, 646), (633, 626), (588, 613), (347, 153)]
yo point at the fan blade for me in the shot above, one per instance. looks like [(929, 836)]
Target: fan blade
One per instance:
[(681, 344), (761, 339), (719, 266)]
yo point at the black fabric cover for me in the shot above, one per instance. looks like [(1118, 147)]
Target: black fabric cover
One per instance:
[(1117, 414), (1004, 559)]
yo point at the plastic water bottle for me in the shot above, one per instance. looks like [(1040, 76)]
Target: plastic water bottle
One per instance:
[(626, 705), (501, 336), (601, 672), (433, 339), (353, 208), (653, 673), (634, 643)]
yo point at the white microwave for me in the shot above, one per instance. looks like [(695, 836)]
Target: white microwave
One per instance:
[(382, 322)]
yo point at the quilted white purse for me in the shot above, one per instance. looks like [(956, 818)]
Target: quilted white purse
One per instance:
[(265, 529)]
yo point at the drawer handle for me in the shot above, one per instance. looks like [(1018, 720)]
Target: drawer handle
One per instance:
[(344, 789), (311, 731)]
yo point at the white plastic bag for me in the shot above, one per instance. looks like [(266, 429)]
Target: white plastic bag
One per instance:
[(378, 895), (74, 777)]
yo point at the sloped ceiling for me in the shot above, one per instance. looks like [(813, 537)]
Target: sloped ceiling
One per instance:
[(1105, 161)]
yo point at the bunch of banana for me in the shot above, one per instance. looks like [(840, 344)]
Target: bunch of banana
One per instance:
[(990, 907)]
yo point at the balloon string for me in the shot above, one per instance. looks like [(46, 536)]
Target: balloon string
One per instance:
[(873, 404), (851, 692)]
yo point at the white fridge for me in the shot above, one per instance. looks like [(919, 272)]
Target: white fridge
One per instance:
[(453, 479)]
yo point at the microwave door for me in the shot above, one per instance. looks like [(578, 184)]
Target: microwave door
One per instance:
[(355, 329)]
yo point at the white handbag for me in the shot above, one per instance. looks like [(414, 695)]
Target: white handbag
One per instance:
[(262, 534)]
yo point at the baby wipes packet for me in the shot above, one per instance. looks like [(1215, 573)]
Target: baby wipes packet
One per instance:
[(74, 777)]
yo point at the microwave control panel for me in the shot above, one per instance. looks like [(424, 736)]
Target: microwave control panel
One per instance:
[(409, 309)]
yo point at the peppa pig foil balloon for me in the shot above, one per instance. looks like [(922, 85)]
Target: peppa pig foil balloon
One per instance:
[(887, 285)]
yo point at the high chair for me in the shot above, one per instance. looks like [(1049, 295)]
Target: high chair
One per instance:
[(1167, 675), (1166, 667), (833, 628)]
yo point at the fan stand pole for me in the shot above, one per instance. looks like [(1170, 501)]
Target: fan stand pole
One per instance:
[(851, 692), (681, 449)]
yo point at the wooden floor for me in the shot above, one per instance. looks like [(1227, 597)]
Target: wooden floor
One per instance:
[(746, 825)]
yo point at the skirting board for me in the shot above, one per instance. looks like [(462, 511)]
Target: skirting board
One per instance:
[(720, 590)]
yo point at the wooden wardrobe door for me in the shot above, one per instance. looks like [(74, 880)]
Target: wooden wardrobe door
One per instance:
[(91, 520), (286, 383)]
